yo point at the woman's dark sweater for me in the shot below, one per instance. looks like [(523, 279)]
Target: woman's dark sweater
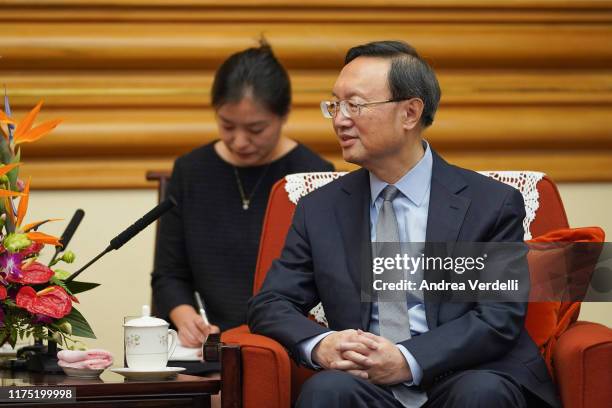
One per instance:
[(209, 243)]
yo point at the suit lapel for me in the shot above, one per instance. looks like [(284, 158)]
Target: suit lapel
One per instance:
[(353, 215), (445, 217), (446, 213)]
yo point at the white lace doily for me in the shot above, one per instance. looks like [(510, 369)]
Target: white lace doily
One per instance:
[(525, 182), (299, 184)]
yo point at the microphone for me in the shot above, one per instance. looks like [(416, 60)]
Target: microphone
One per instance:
[(68, 232), (130, 232)]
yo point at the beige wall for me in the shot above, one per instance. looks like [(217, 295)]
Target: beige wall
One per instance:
[(124, 274)]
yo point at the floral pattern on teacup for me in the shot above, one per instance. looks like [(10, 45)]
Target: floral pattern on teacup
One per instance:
[(133, 340), (163, 339)]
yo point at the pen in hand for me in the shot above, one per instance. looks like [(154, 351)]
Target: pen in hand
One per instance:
[(200, 305)]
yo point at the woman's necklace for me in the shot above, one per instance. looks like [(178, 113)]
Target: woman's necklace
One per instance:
[(246, 201)]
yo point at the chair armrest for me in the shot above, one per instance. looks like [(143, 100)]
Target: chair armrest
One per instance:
[(581, 361), (266, 369)]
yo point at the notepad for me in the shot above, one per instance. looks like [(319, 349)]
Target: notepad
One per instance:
[(182, 353)]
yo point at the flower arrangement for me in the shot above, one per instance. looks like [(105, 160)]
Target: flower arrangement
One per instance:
[(35, 298)]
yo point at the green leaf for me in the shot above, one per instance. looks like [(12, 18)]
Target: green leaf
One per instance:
[(6, 158), (5, 151), (55, 281), (61, 274), (13, 338), (80, 327), (78, 287), (14, 174)]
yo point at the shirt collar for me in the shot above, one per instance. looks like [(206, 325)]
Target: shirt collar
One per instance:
[(414, 184)]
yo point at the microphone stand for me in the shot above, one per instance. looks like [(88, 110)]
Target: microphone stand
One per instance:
[(88, 264), (130, 232)]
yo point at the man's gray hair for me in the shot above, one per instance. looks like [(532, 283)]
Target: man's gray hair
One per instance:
[(410, 76)]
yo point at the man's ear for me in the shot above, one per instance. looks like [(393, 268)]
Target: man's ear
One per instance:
[(412, 109)]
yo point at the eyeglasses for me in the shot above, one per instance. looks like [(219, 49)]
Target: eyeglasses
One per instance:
[(348, 108)]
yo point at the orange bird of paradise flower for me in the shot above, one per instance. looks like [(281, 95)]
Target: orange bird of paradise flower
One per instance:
[(24, 132), (33, 236), (3, 170), (5, 119)]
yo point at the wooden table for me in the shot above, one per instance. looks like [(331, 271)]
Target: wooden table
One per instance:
[(112, 390)]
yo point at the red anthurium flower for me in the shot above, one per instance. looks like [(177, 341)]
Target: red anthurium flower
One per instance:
[(2, 293), (52, 301), (34, 273), (33, 249), (25, 297)]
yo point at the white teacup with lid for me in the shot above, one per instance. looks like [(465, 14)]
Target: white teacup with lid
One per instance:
[(146, 342)]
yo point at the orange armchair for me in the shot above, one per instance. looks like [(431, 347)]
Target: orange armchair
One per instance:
[(581, 352)]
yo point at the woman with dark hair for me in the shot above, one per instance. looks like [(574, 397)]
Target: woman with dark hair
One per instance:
[(209, 242)]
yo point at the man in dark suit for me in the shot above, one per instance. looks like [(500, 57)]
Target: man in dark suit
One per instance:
[(423, 352)]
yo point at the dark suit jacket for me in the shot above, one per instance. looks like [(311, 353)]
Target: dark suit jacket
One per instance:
[(328, 252)]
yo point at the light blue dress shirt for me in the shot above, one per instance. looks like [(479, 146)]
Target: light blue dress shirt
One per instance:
[(411, 209)]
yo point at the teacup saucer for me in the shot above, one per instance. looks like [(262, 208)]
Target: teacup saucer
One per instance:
[(147, 375)]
